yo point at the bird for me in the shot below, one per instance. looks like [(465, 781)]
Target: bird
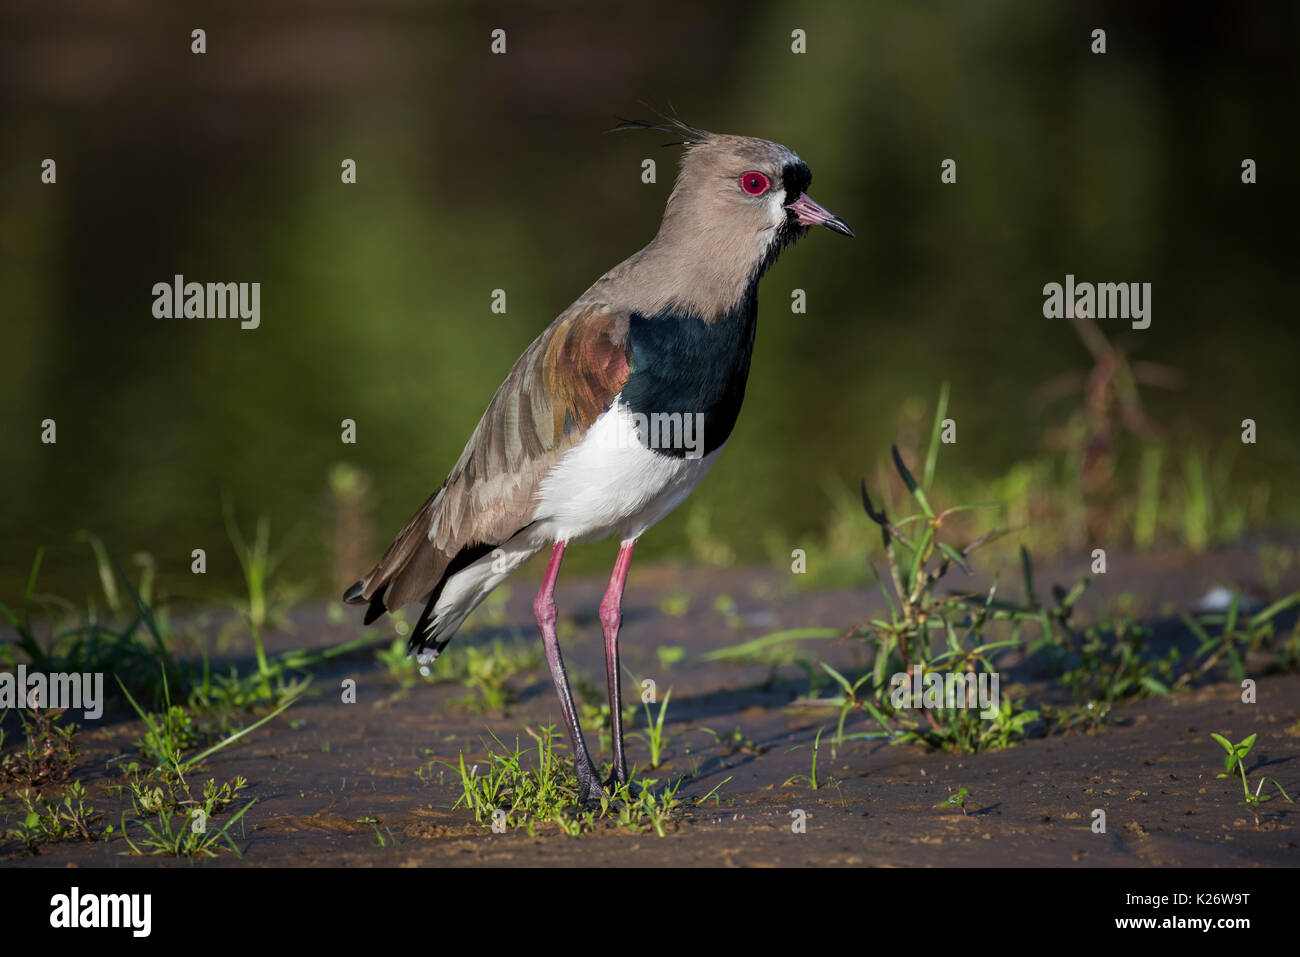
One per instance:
[(611, 417)]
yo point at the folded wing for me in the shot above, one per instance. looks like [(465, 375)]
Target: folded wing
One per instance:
[(561, 384)]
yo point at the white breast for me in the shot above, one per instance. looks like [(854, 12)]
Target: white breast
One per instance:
[(611, 484)]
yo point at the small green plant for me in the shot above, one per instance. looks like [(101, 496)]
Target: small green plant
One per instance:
[(485, 670), (713, 793), (923, 634), (488, 673), (167, 733), (1114, 665), (917, 616), (725, 605), (86, 641), (46, 822), (811, 777), (1009, 725), (849, 700), (596, 713), (518, 790), (263, 605), (382, 838), (128, 632), (509, 794), (734, 741), (224, 695), (670, 655), (176, 731), (654, 732), (1235, 760), (49, 752), (955, 799), (178, 824), (399, 664), (163, 744), (636, 810), (675, 605), (1239, 635)]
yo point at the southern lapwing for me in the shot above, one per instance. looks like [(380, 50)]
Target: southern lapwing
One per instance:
[(612, 416)]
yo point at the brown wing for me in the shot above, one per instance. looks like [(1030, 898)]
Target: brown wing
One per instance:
[(560, 385)]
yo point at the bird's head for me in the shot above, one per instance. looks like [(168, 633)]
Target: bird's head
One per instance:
[(738, 201), (746, 184)]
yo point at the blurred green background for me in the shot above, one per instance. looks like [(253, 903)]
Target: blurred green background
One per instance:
[(478, 172)]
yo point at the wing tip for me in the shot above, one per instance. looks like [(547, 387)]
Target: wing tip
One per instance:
[(355, 596)]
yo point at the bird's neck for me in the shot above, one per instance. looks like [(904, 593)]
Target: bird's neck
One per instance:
[(699, 272)]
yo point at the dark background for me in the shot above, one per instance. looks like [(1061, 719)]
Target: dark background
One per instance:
[(478, 171)]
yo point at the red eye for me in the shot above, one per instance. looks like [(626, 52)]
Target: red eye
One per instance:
[(755, 183)]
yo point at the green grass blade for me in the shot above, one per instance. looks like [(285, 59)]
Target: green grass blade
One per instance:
[(1027, 568), (917, 492), (748, 648), (145, 612), (30, 591), (236, 736), (1279, 606), (932, 455)]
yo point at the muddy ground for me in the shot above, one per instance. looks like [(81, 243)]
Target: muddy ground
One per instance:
[(321, 768)]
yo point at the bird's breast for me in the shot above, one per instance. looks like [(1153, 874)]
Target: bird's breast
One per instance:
[(687, 377), (611, 482)]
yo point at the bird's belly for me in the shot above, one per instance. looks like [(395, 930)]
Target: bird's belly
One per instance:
[(610, 483)]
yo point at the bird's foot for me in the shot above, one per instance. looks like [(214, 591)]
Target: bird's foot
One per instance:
[(590, 792)]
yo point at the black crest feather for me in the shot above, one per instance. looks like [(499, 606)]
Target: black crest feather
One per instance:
[(669, 123)]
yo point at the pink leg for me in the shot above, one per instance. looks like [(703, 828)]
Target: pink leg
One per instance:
[(611, 616), (544, 608)]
